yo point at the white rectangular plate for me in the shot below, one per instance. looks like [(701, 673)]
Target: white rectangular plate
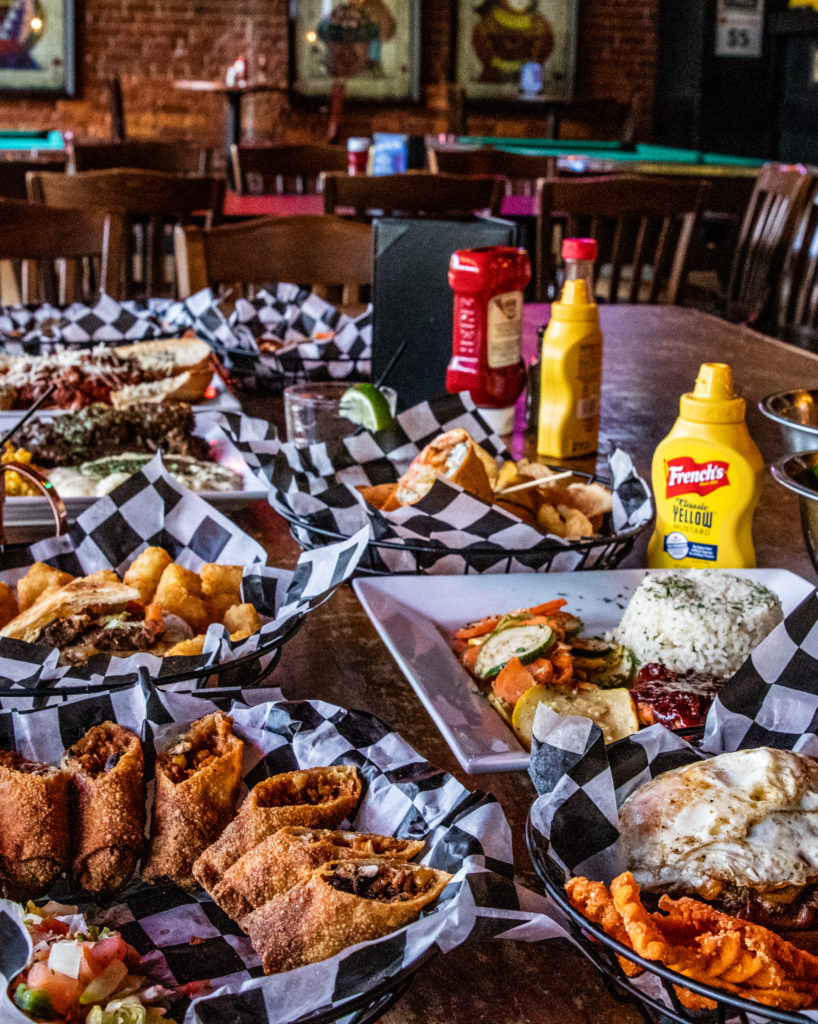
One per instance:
[(35, 511), (415, 616)]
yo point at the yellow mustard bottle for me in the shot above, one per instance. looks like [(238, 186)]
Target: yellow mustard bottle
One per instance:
[(706, 479), (571, 361)]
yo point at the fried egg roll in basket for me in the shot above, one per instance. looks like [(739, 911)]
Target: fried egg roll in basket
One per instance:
[(34, 835), (291, 855), (341, 903), (107, 798), (197, 785), (315, 797)]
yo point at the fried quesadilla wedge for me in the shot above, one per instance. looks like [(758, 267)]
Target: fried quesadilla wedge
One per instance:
[(340, 904), (290, 855), (315, 797), (86, 596)]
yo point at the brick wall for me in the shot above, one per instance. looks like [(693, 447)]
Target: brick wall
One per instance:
[(148, 43)]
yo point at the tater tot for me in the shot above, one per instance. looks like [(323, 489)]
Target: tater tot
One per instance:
[(40, 579), (241, 618), (173, 595), (218, 604), (145, 571), (241, 635), (186, 648), (8, 605), (221, 579)]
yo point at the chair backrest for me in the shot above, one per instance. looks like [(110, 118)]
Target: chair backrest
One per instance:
[(319, 251), (64, 255), (13, 175), (149, 200), (777, 201), (797, 294), (143, 154), (643, 227), (283, 169), (412, 194), (596, 118), (522, 171)]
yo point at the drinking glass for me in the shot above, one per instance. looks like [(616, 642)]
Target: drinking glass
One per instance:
[(311, 411)]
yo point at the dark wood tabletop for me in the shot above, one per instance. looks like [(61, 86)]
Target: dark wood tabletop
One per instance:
[(652, 355)]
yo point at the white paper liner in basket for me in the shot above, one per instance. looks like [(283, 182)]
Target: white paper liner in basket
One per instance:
[(316, 486), (466, 834), (771, 701), (289, 314), (151, 508)]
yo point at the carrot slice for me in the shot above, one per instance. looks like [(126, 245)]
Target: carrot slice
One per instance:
[(548, 606), (153, 611), (512, 681), (478, 628), (468, 658)]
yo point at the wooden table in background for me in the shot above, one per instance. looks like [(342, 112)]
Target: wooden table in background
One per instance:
[(652, 355)]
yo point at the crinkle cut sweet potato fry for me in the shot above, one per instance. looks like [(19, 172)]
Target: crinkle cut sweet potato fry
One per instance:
[(593, 900)]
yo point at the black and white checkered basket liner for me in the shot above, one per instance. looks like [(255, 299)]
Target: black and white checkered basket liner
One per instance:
[(573, 825), (151, 508), (466, 834), (290, 315), (448, 531)]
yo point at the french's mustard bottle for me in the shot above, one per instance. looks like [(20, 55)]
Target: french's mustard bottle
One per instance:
[(571, 361), (706, 480)]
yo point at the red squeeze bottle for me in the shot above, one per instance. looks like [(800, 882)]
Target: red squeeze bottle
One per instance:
[(487, 332)]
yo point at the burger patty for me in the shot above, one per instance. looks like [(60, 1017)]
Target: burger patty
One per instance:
[(100, 430), (799, 913)]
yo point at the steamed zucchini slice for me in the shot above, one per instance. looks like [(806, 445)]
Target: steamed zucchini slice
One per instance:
[(526, 642)]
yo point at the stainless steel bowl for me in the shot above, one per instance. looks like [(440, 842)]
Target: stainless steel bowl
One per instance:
[(799, 473), (796, 413)]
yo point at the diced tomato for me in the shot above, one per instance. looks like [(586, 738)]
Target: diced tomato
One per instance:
[(134, 607), (53, 926), (114, 947), (195, 988), (64, 991), (89, 965), (512, 681)]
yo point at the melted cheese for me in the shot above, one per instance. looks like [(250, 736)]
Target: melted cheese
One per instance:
[(749, 818)]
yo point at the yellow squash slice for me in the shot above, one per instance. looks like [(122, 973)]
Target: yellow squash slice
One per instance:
[(612, 710)]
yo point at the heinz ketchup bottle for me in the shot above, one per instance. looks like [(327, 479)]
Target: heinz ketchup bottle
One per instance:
[(487, 333)]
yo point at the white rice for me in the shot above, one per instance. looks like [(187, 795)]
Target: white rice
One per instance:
[(700, 619)]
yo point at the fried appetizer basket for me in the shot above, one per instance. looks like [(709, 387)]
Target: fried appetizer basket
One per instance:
[(435, 857), (153, 511), (573, 826), (451, 529)]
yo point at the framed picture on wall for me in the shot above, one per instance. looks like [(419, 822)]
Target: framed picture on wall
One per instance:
[(497, 39), (37, 46), (372, 46)]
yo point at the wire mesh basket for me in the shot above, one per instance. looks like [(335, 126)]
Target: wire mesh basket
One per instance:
[(603, 952)]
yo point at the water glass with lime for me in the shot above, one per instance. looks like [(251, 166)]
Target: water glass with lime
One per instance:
[(323, 411)]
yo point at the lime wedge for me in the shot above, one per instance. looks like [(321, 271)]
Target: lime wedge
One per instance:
[(365, 405)]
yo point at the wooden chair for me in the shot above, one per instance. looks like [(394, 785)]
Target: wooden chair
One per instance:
[(413, 194), (778, 200), (151, 201), (643, 227), (596, 118), (796, 318), (13, 175), (59, 255), (522, 171), (177, 157), (283, 169), (331, 255)]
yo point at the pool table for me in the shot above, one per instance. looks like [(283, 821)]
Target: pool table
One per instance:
[(29, 143)]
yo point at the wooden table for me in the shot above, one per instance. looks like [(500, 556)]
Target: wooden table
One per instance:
[(652, 355)]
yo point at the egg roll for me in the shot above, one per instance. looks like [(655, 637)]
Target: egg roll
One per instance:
[(290, 855), (34, 833), (198, 779), (342, 903), (107, 800), (315, 797)]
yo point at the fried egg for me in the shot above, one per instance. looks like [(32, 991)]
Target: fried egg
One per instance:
[(747, 818)]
